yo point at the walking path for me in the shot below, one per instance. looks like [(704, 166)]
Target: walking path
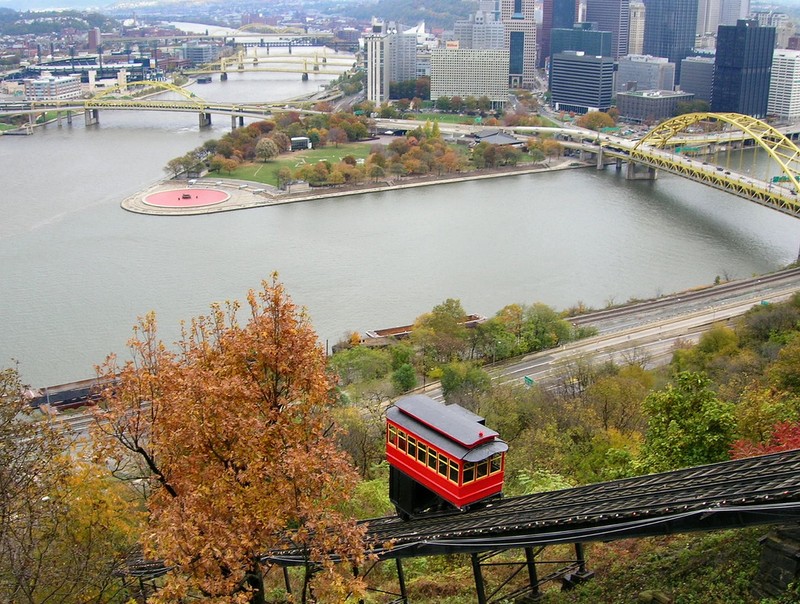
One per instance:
[(247, 194)]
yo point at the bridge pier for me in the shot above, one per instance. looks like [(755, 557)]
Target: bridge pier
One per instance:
[(91, 116), (237, 122), (204, 119), (618, 164), (600, 164), (632, 174), (223, 76)]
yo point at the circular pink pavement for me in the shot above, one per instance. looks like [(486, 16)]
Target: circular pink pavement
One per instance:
[(186, 198)]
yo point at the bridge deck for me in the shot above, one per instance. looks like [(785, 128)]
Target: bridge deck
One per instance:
[(759, 490)]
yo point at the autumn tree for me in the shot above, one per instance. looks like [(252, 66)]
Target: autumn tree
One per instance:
[(266, 149), (232, 434), (64, 529), (337, 136), (595, 120)]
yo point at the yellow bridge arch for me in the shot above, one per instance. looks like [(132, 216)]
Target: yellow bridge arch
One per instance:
[(164, 86), (780, 148)]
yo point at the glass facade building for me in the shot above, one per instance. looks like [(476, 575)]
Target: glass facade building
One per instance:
[(742, 68), (669, 30)]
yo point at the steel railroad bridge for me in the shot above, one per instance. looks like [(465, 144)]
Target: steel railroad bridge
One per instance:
[(664, 147), (734, 494)]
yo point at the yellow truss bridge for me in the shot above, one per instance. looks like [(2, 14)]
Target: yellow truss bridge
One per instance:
[(316, 63), (677, 145), (117, 98)]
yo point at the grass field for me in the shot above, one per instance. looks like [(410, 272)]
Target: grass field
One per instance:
[(447, 118), (267, 172)]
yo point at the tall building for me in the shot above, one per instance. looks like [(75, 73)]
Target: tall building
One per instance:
[(376, 45), (784, 27), (480, 30), (742, 68), (730, 11), (643, 72), (391, 57), (93, 38), (581, 37), (636, 28), (613, 16), (556, 14), (581, 82), (784, 86), (470, 72), (697, 77), (669, 30), (707, 17), (402, 54), (520, 34)]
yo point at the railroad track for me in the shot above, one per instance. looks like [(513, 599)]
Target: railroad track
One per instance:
[(758, 490), (789, 276)]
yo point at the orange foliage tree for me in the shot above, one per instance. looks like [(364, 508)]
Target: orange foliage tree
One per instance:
[(233, 434)]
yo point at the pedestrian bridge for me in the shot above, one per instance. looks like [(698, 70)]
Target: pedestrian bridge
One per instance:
[(685, 145)]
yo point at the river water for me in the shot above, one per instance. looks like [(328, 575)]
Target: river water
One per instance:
[(76, 270)]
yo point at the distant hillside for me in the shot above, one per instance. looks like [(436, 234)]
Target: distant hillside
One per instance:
[(435, 13), (50, 22)]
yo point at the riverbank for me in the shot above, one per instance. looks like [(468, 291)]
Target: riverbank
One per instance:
[(247, 195)]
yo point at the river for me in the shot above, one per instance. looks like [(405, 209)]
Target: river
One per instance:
[(76, 270)]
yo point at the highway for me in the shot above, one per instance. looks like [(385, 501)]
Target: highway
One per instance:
[(646, 332)]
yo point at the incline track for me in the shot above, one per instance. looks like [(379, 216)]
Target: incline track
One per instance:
[(758, 490)]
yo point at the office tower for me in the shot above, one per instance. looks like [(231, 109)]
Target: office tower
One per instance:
[(730, 11), (403, 55), (480, 30), (636, 28), (784, 86), (520, 34), (643, 72), (470, 72), (742, 68), (556, 14), (784, 27), (613, 16), (581, 82), (376, 44), (581, 37), (669, 30), (697, 77), (707, 17), (391, 57)]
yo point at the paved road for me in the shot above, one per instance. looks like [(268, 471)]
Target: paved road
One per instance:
[(648, 336)]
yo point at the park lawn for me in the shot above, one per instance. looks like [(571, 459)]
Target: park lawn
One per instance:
[(267, 172), (448, 118)]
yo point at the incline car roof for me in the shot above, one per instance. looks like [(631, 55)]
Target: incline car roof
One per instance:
[(452, 421)]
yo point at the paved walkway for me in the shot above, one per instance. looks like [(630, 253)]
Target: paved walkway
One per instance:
[(247, 194)]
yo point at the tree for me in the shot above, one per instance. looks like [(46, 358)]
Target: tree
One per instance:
[(64, 529), (404, 378), (232, 436), (463, 382), (337, 136), (281, 140), (284, 177), (552, 148), (266, 149), (687, 425), (595, 120)]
